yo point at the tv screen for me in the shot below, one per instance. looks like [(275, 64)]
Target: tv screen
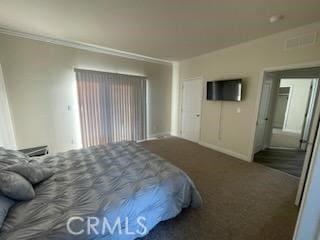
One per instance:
[(224, 90)]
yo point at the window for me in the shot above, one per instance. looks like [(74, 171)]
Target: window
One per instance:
[(112, 107)]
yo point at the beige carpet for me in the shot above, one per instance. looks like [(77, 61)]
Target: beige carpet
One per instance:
[(241, 200), (284, 139)]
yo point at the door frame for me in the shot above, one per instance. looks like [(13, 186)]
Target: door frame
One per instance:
[(314, 127), (259, 92), (313, 132), (285, 121), (310, 112), (198, 78), (268, 110), (275, 108)]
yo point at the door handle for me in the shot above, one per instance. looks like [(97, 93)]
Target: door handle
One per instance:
[(197, 115)]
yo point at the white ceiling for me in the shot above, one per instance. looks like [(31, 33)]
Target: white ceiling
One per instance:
[(165, 29)]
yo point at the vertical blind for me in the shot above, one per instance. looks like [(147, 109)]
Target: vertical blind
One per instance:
[(112, 107)]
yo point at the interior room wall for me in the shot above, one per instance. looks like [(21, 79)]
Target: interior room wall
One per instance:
[(246, 61), (297, 103), (42, 94), (7, 138)]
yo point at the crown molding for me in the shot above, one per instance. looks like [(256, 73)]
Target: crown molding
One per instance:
[(84, 46)]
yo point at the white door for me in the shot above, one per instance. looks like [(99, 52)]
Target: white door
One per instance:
[(310, 144), (263, 116), (191, 109), (309, 114)]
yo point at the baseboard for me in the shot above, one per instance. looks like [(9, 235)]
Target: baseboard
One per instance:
[(284, 148), (174, 134), (226, 151), (157, 135), (290, 130)]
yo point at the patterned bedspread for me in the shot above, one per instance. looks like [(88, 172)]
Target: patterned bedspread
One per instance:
[(115, 191)]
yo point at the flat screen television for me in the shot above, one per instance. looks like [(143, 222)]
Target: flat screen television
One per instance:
[(224, 90)]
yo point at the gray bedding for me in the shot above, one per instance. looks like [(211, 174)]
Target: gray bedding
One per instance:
[(123, 185)]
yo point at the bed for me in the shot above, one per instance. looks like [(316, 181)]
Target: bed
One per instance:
[(122, 189)]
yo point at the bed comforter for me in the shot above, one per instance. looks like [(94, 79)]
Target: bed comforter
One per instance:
[(122, 189)]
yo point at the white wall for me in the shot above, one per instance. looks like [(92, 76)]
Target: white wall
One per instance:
[(175, 100), (41, 85), (7, 138), (297, 103), (247, 61)]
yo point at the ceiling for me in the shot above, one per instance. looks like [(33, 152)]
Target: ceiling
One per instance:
[(165, 29)]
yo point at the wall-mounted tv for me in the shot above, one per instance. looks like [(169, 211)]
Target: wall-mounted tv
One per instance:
[(224, 90)]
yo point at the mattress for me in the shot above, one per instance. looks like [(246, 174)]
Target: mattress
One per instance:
[(114, 191)]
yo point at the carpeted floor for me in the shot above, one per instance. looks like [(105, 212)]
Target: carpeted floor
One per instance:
[(284, 139), (242, 201), (289, 161)]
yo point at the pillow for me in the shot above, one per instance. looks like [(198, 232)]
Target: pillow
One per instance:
[(5, 205), (11, 157), (32, 171), (12, 153), (16, 187), (6, 161)]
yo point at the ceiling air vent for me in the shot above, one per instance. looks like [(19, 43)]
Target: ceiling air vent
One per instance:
[(303, 40)]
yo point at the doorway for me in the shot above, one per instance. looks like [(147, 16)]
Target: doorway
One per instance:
[(191, 109), (287, 119), (290, 112)]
